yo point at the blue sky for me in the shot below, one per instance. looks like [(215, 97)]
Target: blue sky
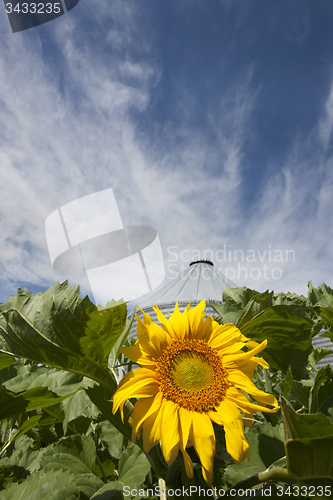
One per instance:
[(212, 122)]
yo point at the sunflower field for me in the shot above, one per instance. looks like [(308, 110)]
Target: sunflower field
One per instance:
[(194, 407)]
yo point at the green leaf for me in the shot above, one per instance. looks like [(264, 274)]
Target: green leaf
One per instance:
[(113, 439), (58, 381), (242, 304), (120, 342), (30, 423), (81, 448), (88, 484), (309, 446), (322, 388), (283, 319), (64, 461), (266, 445), (288, 331), (12, 405), (53, 485), (318, 354), (62, 383), (287, 384), (59, 329), (6, 360), (110, 491), (321, 301), (102, 399), (133, 466), (300, 391), (321, 296), (257, 303), (110, 303), (108, 468), (78, 406)]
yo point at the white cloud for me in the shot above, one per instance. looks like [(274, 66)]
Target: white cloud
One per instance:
[(325, 125)]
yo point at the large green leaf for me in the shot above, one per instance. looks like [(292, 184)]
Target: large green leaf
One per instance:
[(11, 405), (318, 354), (60, 382), (309, 446), (59, 329), (321, 301), (102, 399), (82, 448), (112, 438), (300, 391), (288, 331), (110, 491), (295, 390), (242, 304), (6, 360), (321, 296), (76, 405), (322, 389), (52, 485), (76, 454), (120, 342), (133, 466), (30, 423), (283, 319)]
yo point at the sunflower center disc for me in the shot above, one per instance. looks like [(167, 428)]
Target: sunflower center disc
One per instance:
[(192, 373)]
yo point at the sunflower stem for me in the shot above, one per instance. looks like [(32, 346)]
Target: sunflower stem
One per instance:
[(105, 479), (268, 385), (277, 474), (313, 367)]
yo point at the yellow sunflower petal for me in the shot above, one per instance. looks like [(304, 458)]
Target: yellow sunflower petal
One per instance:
[(169, 431), (235, 360), (228, 414), (185, 422), (251, 344), (151, 431), (164, 321), (142, 410), (203, 439), (196, 317), (232, 348), (152, 338), (242, 401), (137, 356), (261, 362), (225, 333), (151, 427), (141, 383), (240, 380), (179, 323), (205, 331)]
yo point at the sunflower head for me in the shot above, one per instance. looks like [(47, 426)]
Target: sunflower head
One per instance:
[(193, 372)]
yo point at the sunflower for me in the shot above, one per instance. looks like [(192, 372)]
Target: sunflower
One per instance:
[(193, 372)]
